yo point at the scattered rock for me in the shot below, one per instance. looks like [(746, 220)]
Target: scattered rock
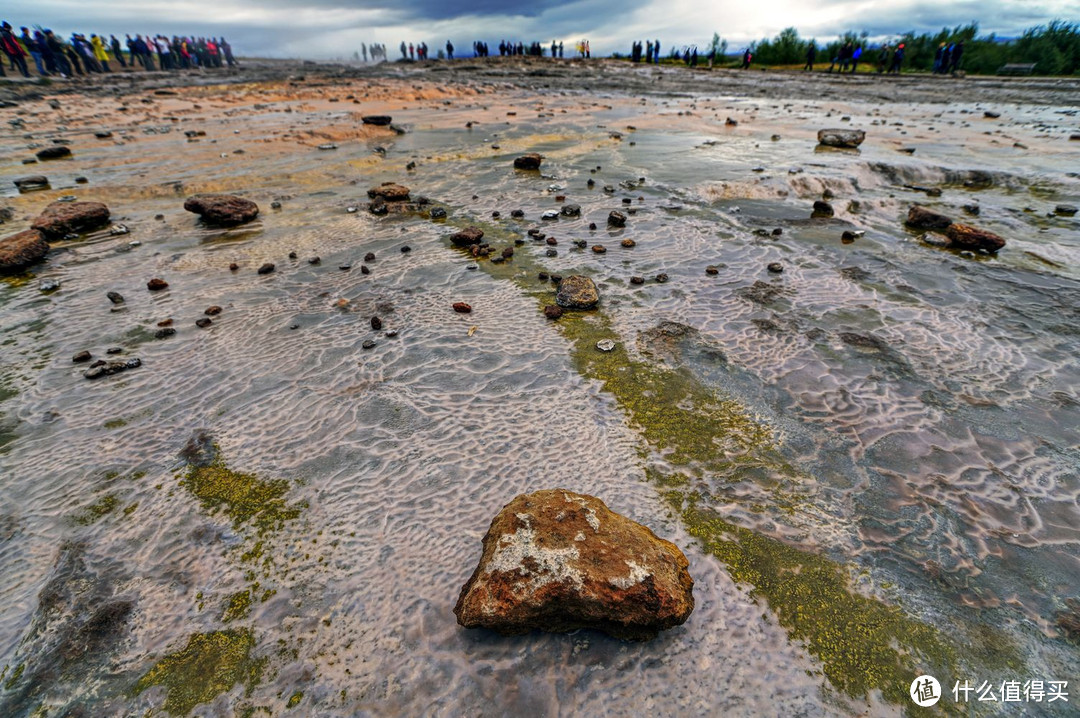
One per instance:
[(156, 284), (605, 345), (233, 266), (616, 219), (225, 210), (775, 267), (841, 137), (376, 323), (369, 257), (467, 236), (553, 311), (54, 153), (83, 356), (935, 239), (266, 268), (438, 213), (712, 270), (19, 251), (662, 278), (599, 249), (31, 183), (822, 209), (212, 311), (203, 322), (462, 308), (101, 369), (530, 161), (577, 292), (63, 218), (48, 285), (115, 297), (103, 134), (972, 209), (991, 115), (1065, 210), (570, 210), (377, 120), (850, 235), (390, 192), (368, 344), (559, 561), (920, 217), (164, 333), (963, 236)]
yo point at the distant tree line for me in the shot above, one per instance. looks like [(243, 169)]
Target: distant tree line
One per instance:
[(1054, 48)]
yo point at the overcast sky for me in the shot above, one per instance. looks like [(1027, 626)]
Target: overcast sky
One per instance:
[(335, 28)]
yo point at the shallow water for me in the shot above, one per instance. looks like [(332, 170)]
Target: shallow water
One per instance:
[(927, 400)]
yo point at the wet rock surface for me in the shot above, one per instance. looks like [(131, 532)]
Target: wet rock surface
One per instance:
[(558, 561), (467, 237), (61, 219), (19, 251), (224, 210), (577, 292), (389, 192)]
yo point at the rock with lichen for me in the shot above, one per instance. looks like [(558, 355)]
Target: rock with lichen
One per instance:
[(558, 561)]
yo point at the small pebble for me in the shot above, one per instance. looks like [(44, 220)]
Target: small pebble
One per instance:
[(368, 344), (711, 270), (203, 322), (628, 243), (266, 268), (599, 249), (156, 284), (661, 278), (406, 249), (114, 350), (212, 311), (553, 311), (462, 308), (775, 267), (637, 280), (605, 345), (83, 356), (369, 257), (233, 267), (376, 323), (364, 269)]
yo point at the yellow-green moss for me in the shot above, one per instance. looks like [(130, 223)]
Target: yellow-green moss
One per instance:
[(115, 423), (294, 699), (243, 497), (862, 643), (237, 606), (15, 676), (209, 665), (95, 511)]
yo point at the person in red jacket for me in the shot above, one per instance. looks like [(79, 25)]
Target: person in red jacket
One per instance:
[(11, 47)]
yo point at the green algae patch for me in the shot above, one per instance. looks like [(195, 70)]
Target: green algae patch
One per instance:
[(863, 643), (294, 699), (115, 423), (15, 676), (237, 606), (244, 497), (209, 665), (678, 416), (97, 510)]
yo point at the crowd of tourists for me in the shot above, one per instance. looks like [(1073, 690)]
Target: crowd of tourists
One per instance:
[(52, 55)]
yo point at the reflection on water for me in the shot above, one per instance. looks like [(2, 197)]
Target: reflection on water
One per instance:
[(927, 401)]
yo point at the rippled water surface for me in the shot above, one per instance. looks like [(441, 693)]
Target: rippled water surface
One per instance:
[(924, 401)]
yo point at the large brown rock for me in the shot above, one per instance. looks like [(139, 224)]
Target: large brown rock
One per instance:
[(558, 561), (964, 236), (389, 191), (377, 120), (920, 217), (577, 292), (530, 161), (63, 218), (19, 251), (225, 210), (841, 137)]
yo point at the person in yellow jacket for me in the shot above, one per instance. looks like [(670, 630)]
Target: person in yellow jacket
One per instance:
[(100, 53)]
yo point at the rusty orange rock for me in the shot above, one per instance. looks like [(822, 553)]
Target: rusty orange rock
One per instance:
[(557, 561)]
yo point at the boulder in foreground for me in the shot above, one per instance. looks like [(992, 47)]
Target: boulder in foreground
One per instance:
[(577, 292), (841, 137), (63, 218), (558, 561), (225, 210), (19, 251), (377, 120)]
